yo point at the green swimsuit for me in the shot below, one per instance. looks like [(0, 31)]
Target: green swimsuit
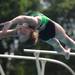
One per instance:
[(43, 19), (49, 27)]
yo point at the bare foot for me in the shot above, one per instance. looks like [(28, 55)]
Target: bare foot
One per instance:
[(67, 53)]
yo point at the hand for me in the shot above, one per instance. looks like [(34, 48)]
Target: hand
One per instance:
[(6, 26)]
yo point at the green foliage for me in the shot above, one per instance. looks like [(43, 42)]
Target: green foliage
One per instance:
[(60, 8), (12, 8), (32, 5), (65, 5), (8, 9), (23, 4), (21, 69)]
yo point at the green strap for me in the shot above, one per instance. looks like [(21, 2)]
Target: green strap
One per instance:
[(43, 19)]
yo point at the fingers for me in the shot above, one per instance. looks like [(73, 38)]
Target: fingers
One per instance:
[(7, 25)]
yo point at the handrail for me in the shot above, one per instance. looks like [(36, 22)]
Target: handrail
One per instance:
[(46, 52), (34, 58)]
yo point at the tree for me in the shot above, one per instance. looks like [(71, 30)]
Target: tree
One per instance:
[(60, 8), (8, 9)]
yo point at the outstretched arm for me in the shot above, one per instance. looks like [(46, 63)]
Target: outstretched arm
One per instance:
[(9, 33), (25, 31), (20, 20)]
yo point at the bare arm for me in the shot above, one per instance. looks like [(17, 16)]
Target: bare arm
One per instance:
[(9, 33), (19, 20)]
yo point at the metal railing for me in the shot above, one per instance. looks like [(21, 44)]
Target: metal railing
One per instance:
[(40, 69)]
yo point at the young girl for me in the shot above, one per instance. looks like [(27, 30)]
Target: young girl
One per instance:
[(48, 31)]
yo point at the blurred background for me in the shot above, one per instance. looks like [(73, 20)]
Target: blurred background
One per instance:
[(61, 11)]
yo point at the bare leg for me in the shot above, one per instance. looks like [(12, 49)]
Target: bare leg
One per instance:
[(67, 41), (63, 37), (58, 47)]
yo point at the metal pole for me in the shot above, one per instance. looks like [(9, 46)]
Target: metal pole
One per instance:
[(37, 63), (1, 70), (44, 59), (43, 63), (46, 52)]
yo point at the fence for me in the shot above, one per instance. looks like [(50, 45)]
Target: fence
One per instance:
[(40, 69)]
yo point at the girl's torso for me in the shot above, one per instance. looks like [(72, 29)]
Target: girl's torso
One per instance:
[(47, 27)]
